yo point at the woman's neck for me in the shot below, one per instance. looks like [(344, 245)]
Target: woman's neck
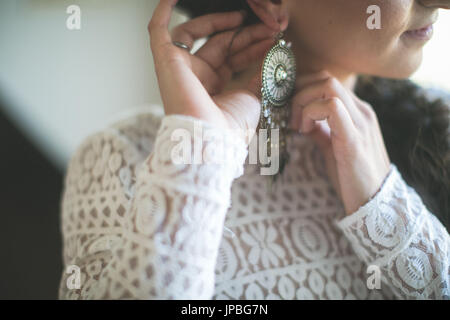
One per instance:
[(242, 79), (309, 62), (306, 63)]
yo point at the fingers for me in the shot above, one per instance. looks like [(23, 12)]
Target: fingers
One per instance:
[(311, 78), (242, 60), (253, 85), (246, 57), (365, 108), (217, 50), (334, 111), (300, 83), (158, 26), (238, 63), (206, 25), (321, 86), (251, 34)]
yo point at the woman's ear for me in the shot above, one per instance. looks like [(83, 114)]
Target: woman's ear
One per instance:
[(273, 13)]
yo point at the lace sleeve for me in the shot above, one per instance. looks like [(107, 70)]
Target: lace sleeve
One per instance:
[(164, 242), (397, 233)]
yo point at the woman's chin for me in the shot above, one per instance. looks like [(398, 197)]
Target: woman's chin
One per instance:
[(405, 67)]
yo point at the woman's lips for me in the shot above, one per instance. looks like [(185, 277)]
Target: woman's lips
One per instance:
[(423, 34)]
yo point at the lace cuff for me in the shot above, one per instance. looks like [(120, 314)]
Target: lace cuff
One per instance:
[(193, 157), (396, 232), (372, 204)]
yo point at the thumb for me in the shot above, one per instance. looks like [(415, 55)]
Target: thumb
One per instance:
[(321, 136)]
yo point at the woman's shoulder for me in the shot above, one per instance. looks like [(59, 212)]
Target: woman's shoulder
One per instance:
[(138, 127), (396, 90), (129, 137), (417, 108)]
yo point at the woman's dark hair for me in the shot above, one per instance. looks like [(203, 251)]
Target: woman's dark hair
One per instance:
[(415, 126), (415, 123)]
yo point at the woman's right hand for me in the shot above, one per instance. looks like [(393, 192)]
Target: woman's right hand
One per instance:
[(192, 84)]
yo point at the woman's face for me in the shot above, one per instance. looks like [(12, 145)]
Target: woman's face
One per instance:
[(333, 34)]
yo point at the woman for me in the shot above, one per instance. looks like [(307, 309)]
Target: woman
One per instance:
[(343, 222)]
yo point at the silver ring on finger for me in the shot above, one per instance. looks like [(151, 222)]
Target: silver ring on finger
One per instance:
[(182, 45)]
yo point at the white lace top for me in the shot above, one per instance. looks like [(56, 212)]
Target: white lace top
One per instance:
[(139, 226)]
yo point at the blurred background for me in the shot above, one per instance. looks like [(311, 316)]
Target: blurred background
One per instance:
[(56, 87)]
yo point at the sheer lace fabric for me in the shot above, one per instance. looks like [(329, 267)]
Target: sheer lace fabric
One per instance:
[(140, 226)]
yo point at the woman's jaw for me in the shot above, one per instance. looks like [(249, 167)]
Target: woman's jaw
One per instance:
[(334, 35)]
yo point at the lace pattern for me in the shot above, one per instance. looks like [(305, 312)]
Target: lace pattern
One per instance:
[(140, 226), (172, 216), (396, 232)]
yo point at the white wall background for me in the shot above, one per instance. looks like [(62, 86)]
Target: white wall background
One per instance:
[(63, 85), (435, 69)]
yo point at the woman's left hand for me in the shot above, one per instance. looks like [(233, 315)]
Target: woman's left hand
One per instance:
[(350, 139)]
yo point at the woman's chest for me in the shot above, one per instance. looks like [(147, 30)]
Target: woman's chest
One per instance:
[(284, 244)]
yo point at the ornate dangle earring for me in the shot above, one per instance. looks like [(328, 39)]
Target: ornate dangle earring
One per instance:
[(278, 85)]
